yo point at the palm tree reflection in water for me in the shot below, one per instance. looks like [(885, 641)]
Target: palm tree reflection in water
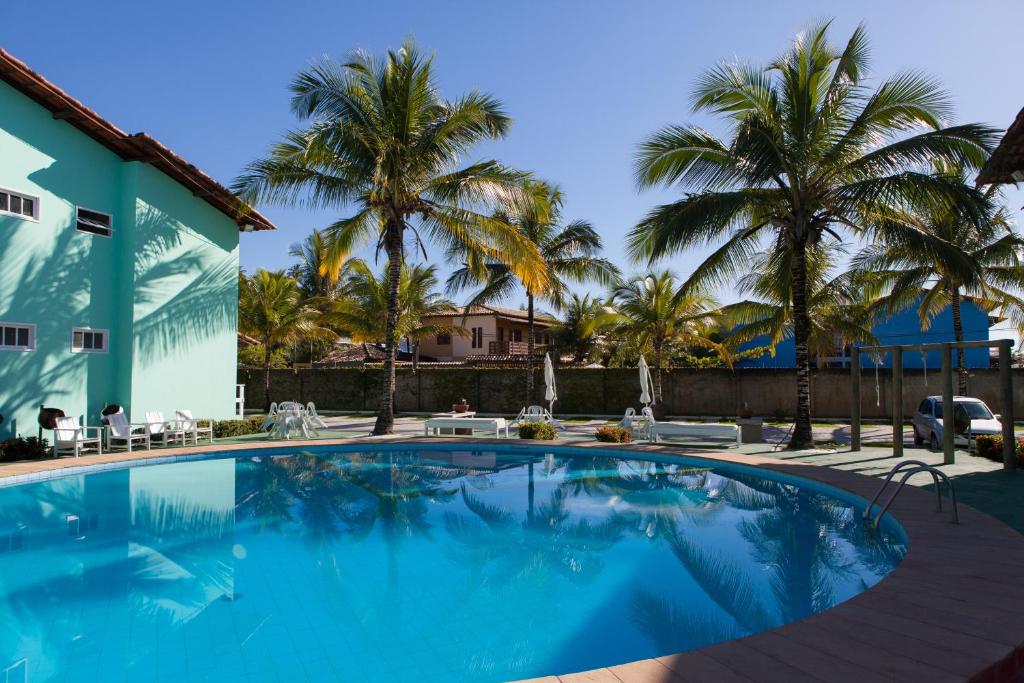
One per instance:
[(789, 549)]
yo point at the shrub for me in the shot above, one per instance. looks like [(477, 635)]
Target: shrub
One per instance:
[(24, 449), (613, 434), (543, 431), (991, 446), (253, 357), (225, 428)]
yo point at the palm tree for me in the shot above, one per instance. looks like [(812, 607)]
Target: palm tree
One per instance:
[(812, 151), (382, 139), (271, 309), (649, 310), (994, 281), (363, 310), (583, 321), (568, 252), (839, 307), (314, 273)]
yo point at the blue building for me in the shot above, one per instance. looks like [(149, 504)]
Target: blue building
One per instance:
[(902, 328)]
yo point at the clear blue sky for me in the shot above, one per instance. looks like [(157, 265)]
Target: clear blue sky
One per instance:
[(584, 81)]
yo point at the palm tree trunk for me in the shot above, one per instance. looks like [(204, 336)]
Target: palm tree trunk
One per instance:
[(386, 415), (657, 373), (266, 374), (958, 333), (803, 437), (529, 349)]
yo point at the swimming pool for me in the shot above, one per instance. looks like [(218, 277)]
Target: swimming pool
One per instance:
[(413, 562)]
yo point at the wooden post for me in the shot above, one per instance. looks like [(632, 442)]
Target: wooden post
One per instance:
[(1006, 415), (948, 427), (855, 400), (897, 402)]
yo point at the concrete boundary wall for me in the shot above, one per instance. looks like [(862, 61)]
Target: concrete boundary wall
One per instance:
[(700, 392)]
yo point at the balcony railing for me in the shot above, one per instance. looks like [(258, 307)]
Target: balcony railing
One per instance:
[(508, 348)]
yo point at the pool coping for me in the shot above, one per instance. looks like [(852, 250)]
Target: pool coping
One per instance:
[(951, 611)]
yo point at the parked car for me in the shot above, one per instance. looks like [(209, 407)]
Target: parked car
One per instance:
[(928, 421)]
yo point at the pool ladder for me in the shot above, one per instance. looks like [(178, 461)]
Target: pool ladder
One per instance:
[(915, 467)]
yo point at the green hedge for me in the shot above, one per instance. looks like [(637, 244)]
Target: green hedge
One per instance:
[(226, 428)]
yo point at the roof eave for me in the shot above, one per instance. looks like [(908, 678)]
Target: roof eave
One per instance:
[(137, 147)]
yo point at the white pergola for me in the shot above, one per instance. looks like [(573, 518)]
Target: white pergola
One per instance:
[(945, 349)]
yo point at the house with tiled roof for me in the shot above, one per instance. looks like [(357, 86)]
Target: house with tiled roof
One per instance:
[(119, 282), (491, 331)]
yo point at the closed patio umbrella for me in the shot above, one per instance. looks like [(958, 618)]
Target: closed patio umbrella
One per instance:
[(646, 383), (550, 394)]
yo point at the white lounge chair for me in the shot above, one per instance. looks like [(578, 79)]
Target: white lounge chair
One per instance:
[(703, 431), (161, 431), (70, 437), (191, 425), (123, 435)]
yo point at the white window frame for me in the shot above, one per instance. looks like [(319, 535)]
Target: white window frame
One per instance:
[(31, 336), (109, 216), (106, 340), (23, 195)]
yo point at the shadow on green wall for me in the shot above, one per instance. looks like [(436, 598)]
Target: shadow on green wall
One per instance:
[(44, 291), (181, 297)]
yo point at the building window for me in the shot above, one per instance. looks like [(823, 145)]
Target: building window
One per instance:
[(444, 339), (478, 338), (517, 335), (94, 222), (17, 337), (18, 204), (88, 340)]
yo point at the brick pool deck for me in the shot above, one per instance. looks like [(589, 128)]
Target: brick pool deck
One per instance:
[(953, 610)]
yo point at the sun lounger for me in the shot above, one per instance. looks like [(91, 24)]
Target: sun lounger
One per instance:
[(490, 424), (705, 431)]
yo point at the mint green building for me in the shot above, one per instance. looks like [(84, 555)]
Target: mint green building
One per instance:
[(118, 266)]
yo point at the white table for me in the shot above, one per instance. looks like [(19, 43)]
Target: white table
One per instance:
[(454, 415)]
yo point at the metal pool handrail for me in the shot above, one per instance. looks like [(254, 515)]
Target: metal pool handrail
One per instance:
[(892, 472), (918, 467)]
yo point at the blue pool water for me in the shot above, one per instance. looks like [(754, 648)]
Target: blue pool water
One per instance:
[(399, 564)]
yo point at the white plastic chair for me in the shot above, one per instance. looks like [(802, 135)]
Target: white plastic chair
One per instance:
[(70, 437), (163, 432), (535, 414), (123, 435), (313, 419), (270, 419), (191, 425), (638, 425), (291, 417)]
